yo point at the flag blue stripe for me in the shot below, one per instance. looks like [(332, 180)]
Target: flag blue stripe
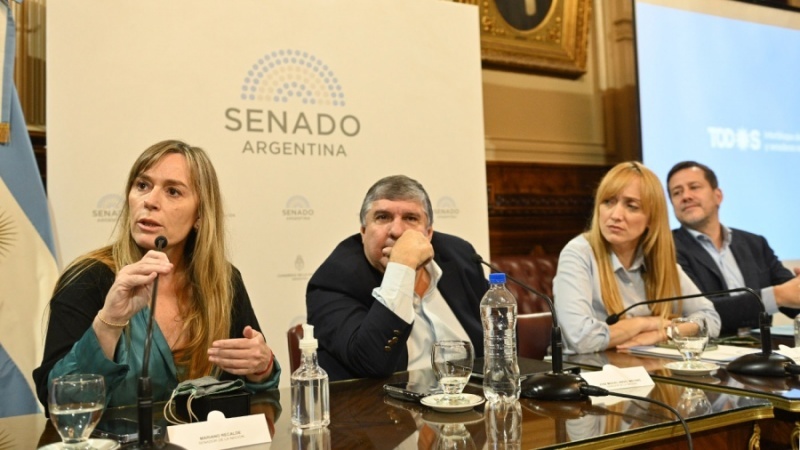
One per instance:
[(17, 396), (19, 172), (8, 64)]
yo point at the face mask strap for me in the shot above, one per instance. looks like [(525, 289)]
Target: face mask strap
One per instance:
[(204, 388), (169, 410), (192, 415)]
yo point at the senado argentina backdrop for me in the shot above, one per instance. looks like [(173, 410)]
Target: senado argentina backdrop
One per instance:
[(301, 106)]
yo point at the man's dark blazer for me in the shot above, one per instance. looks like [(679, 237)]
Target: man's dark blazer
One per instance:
[(760, 269), (358, 336)]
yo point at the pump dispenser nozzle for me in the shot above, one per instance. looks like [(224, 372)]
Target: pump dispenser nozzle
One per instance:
[(310, 397), (308, 343)]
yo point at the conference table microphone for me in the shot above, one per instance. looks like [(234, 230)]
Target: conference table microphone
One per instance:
[(763, 363), (145, 401), (556, 384)]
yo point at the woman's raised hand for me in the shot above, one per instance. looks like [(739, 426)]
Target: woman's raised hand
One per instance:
[(132, 288)]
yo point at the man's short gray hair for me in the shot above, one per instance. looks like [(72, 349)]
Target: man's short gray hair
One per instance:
[(396, 187)]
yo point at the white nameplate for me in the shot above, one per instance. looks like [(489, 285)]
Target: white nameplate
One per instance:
[(613, 378), (630, 380), (219, 433)]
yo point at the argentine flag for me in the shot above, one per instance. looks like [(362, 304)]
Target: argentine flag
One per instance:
[(28, 269)]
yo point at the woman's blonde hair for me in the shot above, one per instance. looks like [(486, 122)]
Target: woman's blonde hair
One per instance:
[(207, 288), (661, 279)]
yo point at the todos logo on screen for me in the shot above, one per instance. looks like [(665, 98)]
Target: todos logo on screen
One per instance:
[(729, 138)]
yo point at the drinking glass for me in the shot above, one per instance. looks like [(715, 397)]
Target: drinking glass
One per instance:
[(690, 335), (454, 436), (693, 403), (76, 403), (452, 363)]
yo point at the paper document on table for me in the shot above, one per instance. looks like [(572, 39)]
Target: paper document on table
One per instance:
[(723, 353), (791, 352)]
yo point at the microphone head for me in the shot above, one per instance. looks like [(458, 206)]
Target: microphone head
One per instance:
[(477, 258), (612, 319), (161, 242)]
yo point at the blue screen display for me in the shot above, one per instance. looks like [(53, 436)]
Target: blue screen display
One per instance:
[(725, 92)]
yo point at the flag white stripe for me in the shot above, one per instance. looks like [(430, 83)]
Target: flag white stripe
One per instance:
[(27, 274)]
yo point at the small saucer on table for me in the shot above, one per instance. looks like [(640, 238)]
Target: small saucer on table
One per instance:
[(467, 402), (92, 443), (434, 417), (696, 369)]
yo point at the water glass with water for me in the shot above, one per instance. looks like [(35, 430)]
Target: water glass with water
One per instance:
[(690, 335), (452, 363), (76, 403)]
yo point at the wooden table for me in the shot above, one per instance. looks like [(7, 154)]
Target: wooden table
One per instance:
[(782, 392), (362, 417)]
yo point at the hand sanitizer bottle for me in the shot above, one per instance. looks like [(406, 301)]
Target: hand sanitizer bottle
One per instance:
[(310, 398)]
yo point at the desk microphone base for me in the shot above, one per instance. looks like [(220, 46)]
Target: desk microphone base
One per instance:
[(760, 365), (563, 386)]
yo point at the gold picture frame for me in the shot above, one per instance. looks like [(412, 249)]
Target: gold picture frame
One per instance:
[(544, 36)]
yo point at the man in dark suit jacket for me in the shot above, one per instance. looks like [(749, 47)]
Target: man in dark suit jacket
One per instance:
[(718, 258), (384, 295)]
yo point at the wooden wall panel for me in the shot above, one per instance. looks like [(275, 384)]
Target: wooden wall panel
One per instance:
[(538, 205), (39, 142)]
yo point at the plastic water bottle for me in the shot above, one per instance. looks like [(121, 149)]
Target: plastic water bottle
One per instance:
[(503, 425), (310, 395), (797, 331), (311, 439), (499, 317)]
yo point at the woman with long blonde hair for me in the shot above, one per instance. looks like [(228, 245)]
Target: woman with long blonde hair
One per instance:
[(204, 321), (627, 256)]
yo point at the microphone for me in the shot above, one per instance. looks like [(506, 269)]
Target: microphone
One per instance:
[(764, 363), (556, 384), (614, 318), (145, 401)]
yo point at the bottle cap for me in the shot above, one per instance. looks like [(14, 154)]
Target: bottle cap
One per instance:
[(308, 342), (497, 278)]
